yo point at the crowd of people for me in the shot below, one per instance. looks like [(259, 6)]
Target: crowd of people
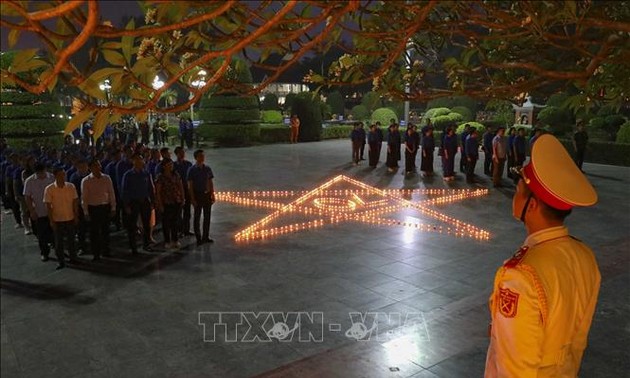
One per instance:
[(71, 198), (500, 150)]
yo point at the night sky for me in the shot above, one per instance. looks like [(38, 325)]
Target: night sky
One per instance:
[(113, 11)]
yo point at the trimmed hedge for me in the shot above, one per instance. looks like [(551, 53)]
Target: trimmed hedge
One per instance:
[(603, 152), (34, 126), (17, 97), (271, 116), (29, 111), (222, 116), (230, 135), (231, 102), (274, 134)]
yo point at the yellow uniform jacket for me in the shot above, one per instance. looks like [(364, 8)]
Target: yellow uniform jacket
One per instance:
[(542, 306)]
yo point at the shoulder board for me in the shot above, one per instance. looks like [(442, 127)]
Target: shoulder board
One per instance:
[(516, 258)]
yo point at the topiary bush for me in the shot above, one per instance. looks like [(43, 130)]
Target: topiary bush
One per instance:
[(29, 120), (307, 107), (360, 112), (270, 102), (241, 113), (383, 115), (467, 114), (623, 135), (271, 116), (479, 126)]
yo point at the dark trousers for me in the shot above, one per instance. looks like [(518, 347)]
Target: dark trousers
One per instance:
[(374, 153), (64, 235), (470, 168), (497, 171), (142, 209), (99, 229), (203, 205), (171, 222), (487, 163), (82, 230), (579, 157), (356, 150), (409, 161), (184, 226), (45, 236)]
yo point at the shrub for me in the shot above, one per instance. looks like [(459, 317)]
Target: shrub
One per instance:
[(467, 114), (270, 102), (230, 135), (460, 129), (383, 115), (336, 102), (604, 152), (623, 135), (271, 116), (360, 112), (274, 134), (308, 111), (337, 132)]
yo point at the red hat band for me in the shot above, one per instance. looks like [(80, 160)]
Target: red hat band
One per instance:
[(538, 188)]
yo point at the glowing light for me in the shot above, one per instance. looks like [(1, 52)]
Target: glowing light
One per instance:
[(363, 204)]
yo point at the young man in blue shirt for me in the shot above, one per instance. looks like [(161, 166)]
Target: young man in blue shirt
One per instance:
[(201, 191)]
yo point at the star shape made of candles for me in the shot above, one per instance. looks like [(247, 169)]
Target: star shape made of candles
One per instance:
[(343, 199)]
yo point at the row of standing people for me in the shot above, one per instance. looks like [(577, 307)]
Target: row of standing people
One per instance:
[(85, 197)]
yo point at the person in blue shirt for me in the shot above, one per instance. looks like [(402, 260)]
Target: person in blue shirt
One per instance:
[(181, 166), (462, 159), (82, 171), (472, 154), (449, 150), (356, 138), (201, 191), (487, 149), (138, 197), (110, 170)]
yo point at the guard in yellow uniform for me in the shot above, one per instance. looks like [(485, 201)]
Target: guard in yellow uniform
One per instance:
[(544, 296)]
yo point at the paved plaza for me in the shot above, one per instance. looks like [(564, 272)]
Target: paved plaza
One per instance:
[(423, 294)]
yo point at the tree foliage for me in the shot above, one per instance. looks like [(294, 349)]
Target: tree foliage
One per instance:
[(490, 50)]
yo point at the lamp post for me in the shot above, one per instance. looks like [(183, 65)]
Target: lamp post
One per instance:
[(105, 87), (200, 82), (157, 84)]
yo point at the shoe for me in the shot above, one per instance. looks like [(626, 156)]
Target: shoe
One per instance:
[(60, 266), (18, 226), (208, 240), (44, 258)]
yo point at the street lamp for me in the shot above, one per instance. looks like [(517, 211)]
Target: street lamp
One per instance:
[(105, 87), (200, 82)]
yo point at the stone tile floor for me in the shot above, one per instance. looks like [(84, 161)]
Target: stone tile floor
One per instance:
[(140, 317)]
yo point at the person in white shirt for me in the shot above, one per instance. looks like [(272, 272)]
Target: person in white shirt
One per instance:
[(34, 187), (62, 202), (99, 206)]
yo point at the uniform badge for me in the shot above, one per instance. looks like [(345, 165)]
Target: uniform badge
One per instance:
[(508, 302)]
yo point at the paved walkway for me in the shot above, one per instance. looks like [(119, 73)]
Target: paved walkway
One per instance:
[(137, 317)]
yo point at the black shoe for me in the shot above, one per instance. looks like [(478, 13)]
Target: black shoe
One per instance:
[(44, 258), (60, 266)]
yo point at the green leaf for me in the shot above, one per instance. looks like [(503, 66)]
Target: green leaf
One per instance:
[(13, 36), (78, 119), (21, 58), (127, 42), (113, 57), (100, 122)]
